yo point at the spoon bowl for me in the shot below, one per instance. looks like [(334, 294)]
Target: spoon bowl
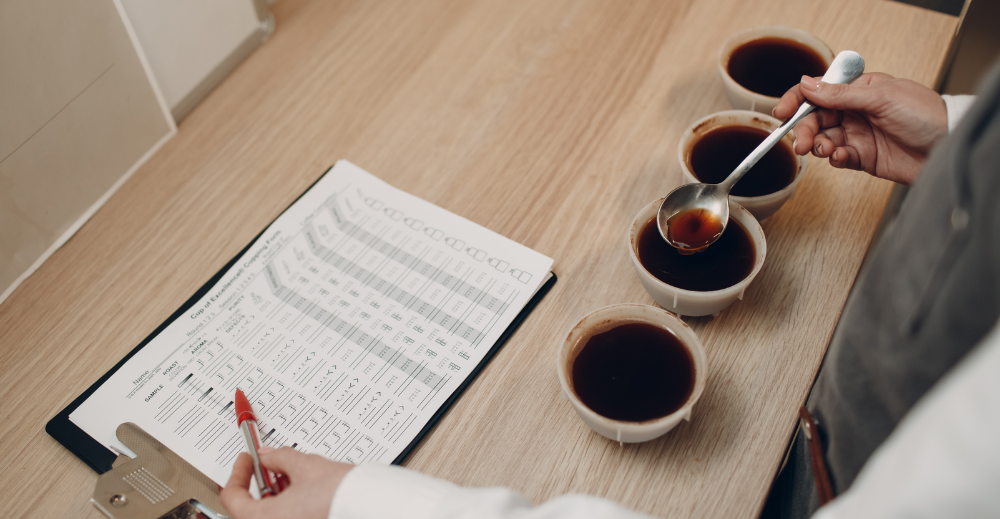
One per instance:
[(708, 204)]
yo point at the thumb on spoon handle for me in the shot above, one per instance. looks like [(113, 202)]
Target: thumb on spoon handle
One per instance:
[(845, 68)]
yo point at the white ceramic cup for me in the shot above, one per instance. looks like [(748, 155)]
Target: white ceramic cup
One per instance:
[(740, 97), (693, 302), (605, 319), (759, 206)]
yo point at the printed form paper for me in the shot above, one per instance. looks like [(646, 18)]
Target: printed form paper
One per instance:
[(348, 323)]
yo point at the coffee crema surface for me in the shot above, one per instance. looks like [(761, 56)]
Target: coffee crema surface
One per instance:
[(770, 66), (716, 153), (723, 264), (633, 372)]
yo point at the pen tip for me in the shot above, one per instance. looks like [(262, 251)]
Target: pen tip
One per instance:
[(243, 409)]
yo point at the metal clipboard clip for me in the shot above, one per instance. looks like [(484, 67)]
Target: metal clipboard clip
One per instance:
[(157, 484)]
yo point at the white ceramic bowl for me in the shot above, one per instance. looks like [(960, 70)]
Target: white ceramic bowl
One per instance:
[(759, 206), (692, 302), (744, 99), (604, 319)]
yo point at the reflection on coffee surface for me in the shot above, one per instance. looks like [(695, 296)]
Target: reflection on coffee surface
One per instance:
[(770, 66), (723, 264), (693, 230), (633, 372), (719, 151)]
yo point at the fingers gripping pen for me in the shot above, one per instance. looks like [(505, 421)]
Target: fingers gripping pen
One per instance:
[(268, 483)]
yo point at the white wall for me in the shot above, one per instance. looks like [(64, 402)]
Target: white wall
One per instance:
[(184, 40), (79, 112)]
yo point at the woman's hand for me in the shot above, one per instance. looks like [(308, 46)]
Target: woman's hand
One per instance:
[(879, 124), (313, 481)]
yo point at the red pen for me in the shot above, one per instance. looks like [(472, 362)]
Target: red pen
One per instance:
[(268, 483)]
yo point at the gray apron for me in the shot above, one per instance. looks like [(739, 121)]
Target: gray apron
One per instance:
[(930, 293)]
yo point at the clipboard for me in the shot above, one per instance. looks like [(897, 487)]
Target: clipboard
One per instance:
[(102, 460)]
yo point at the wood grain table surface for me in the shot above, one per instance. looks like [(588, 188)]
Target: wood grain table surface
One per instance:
[(551, 122)]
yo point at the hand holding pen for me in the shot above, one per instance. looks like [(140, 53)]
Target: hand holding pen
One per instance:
[(311, 482), (268, 483)]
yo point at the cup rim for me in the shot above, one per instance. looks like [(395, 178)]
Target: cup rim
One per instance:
[(692, 343), (688, 134), (760, 31), (738, 213)]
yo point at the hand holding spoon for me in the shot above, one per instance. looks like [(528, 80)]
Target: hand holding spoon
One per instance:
[(693, 216)]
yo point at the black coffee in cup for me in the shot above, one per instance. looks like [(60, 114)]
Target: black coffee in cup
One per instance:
[(633, 371), (770, 66), (723, 264), (716, 152)]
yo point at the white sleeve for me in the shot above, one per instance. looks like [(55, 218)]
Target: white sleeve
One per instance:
[(943, 460), (390, 492), (956, 106)]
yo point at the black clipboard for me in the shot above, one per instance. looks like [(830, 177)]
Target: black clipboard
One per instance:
[(100, 458)]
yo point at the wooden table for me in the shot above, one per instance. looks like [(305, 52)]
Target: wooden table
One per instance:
[(549, 122)]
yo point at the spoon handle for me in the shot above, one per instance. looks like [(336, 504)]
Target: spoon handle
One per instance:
[(846, 67)]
